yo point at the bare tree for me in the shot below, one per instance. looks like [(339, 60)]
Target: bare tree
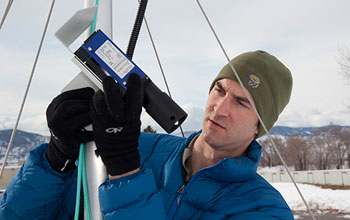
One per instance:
[(340, 146), (320, 155), (269, 156), (346, 140), (329, 148), (342, 137), (344, 63), (297, 152), (337, 151)]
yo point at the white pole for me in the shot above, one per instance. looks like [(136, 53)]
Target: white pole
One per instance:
[(104, 16), (95, 170)]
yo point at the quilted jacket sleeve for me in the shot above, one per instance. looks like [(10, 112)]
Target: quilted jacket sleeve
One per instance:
[(131, 197), (37, 191)]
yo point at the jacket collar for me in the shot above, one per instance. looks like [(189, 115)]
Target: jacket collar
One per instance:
[(233, 169)]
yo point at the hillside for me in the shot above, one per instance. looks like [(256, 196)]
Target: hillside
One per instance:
[(22, 144)]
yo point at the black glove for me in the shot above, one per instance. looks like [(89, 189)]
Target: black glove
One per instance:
[(67, 115), (116, 124)]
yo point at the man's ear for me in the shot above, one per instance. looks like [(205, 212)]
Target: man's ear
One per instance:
[(257, 128)]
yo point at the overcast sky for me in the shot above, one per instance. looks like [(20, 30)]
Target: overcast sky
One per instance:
[(304, 35)]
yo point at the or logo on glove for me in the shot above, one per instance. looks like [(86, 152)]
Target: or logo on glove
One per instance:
[(116, 123), (114, 130), (115, 117)]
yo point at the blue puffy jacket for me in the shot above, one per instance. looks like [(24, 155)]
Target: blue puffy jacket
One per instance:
[(231, 189)]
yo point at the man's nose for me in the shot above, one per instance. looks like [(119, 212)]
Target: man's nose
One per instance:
[(222, 107)]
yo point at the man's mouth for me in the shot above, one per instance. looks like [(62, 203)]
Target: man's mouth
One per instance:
[(216, 124)]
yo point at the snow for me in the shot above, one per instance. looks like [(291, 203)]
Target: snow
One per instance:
[(317, 198)]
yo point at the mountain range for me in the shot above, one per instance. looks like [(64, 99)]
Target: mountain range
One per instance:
[(26, 141), (22, 143), (302, 131)]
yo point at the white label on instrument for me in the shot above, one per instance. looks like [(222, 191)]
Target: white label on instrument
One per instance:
[(114, 59)]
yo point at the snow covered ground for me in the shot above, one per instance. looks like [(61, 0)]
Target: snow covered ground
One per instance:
[(317, 198)]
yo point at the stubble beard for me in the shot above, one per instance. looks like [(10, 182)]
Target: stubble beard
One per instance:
[(211, 136)]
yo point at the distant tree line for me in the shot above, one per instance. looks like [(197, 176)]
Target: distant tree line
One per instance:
[(327, 149), (149, 129)]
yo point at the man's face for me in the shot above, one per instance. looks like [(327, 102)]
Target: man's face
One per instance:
[(230, 123)]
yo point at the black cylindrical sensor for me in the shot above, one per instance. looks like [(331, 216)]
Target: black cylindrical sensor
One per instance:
[(162, 108)]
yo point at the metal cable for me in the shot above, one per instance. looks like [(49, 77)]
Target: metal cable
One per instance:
[(159, 63), (256, 112), (27, 89), (9, 4)]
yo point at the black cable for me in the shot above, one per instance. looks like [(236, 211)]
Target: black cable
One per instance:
[(137, 27)]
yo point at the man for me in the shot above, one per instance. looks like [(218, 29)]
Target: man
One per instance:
[(210, 175)]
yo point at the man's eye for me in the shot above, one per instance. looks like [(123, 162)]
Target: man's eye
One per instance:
[(242, 104), (219, 90)]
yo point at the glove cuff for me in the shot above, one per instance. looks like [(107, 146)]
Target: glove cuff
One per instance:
[(118, 165), (58, 161)]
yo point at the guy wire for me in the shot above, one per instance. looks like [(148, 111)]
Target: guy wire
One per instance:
[(26, 91), (159, 63), (9, 4)]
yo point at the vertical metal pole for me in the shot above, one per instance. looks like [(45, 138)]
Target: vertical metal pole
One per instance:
[(95, 170), (95, 174)]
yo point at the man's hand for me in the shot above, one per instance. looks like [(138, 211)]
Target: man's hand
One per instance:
[(116, 124), (67, 115)]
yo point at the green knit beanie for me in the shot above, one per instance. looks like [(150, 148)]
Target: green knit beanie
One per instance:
[(268, 81)]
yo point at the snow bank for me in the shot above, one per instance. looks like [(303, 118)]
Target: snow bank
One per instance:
[(317, 198)]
